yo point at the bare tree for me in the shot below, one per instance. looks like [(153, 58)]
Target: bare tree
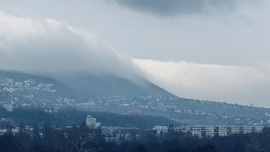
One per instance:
[(254, 146), (24, 142), (78, 140)]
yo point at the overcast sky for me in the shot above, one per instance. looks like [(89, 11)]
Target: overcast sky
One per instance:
[(203, 49)]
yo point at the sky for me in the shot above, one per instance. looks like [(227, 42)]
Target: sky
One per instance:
[(201, 49)]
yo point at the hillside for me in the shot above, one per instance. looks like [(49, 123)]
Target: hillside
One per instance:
[(112, 85), (122, 96)]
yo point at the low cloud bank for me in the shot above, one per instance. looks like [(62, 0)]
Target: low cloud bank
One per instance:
[(180, 7), (47, 46), (235, 84)]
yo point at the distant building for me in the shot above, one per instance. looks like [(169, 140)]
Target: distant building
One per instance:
[(13, 131), (161, 129), (121, 134), (91, 122), (210, 131), (8, 107)]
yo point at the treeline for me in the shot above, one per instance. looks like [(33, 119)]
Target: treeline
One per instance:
[(67, 116), (179, 142), (50, 139), (82, 139)]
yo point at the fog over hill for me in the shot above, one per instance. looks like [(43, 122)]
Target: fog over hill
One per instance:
[(70, 55), (74, 60), (51, 48), (45, 46)]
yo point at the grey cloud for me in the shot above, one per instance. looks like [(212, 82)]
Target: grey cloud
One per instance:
[(177, 7), (235, 84), (47, 46)]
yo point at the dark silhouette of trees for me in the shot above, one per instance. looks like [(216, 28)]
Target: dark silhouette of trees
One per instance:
[(141, 148), (7, 143), (82, 139)]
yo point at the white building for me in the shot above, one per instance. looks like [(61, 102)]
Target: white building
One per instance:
[(161, 129), (91, 122), (210, 131), (8, 107), (14, 131)]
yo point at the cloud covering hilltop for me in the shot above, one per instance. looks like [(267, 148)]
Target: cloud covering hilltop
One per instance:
[(236, 84), (49, 46)]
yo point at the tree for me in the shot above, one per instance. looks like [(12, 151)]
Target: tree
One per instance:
[(21, 128), (9, 128), (141, 148), (79, 140), (23, 142), (206, 148)]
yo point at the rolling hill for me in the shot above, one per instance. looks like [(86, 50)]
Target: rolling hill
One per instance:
[(110, 93)]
